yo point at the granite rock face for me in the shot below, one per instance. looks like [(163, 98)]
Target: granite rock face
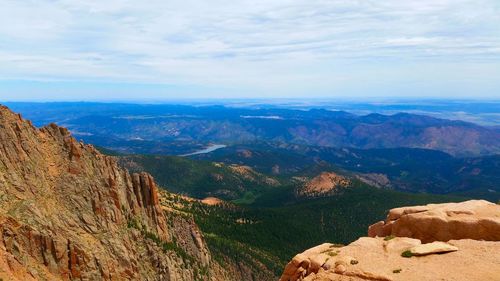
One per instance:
[(377, 259), (67, 212), (474, 219), (435, 247), (419, 254)]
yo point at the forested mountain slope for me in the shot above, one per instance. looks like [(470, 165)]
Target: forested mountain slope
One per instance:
[(170, 129)]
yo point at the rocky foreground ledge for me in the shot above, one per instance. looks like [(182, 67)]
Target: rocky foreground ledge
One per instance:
[(453, 241)]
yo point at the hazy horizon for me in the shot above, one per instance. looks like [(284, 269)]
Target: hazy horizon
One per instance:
[(216, 140), (479, 111), (264, 100)]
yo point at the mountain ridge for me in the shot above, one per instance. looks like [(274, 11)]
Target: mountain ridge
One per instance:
[(67, 212), (148, 128), (45, 172)]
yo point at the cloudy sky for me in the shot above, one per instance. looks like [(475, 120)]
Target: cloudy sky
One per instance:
[(120, 49)]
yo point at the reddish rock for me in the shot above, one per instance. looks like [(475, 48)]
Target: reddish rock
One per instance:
[(65, 207), (382, 259), (379, 260), (326, 183), (474, 219)]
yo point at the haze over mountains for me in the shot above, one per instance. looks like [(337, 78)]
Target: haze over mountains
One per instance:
[(402, 151), (285, 181), (67, 212), (146, 128), (256, 140)]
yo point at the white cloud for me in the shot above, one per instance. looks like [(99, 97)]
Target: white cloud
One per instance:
[(262, 45)]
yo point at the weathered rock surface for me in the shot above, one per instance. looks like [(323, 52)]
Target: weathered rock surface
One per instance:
[(376, 259), (212, 201), (436, 247), (326, 183), (474, 219), (67, 212), (406, 258)]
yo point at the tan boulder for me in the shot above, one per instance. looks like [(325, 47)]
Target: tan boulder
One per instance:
[(380, 260), (432, 248), (405, 229), (474, 219), (377, 229), (317, 262), (400, 244), (300, 259)]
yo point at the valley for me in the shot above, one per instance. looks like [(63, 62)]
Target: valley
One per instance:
[(294, 140), (181, 129), (245, 208)]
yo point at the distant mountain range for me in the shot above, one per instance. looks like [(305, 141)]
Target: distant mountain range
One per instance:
[(175, 129), (68, 212)]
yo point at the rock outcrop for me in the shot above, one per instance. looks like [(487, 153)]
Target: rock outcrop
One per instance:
[(474, 219), (377, 259), (432, 248), (67, 212), (250, 174), (212, 201), (326, 183), (408, 258)]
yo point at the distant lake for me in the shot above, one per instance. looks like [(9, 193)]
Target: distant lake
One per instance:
[(209, 149)]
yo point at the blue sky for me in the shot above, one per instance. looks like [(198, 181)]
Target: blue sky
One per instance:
[(154, 50)]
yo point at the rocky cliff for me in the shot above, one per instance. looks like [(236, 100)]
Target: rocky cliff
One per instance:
[(67, 212), (454, 241)]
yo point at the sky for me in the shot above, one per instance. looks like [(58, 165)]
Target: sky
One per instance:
[(162, 50)]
